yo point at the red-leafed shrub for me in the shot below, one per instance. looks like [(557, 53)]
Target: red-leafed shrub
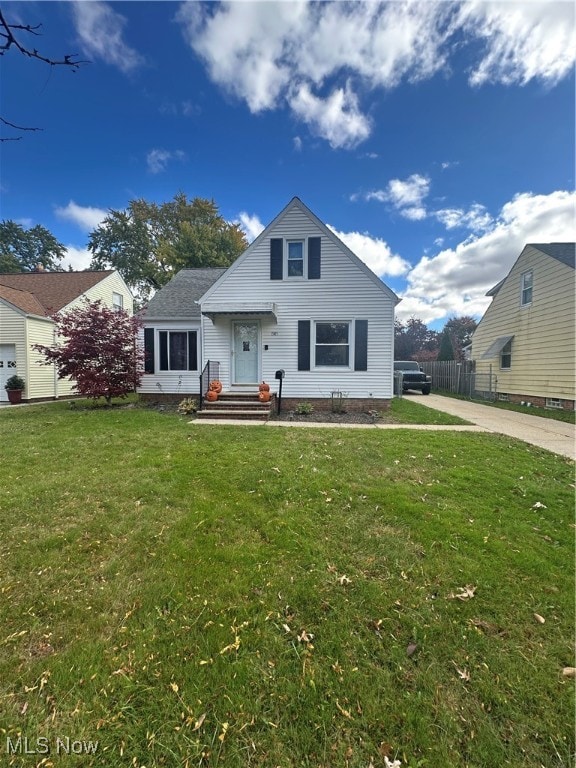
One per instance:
[(98, 349)]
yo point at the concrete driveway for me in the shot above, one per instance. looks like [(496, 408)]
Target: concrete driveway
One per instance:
[(556, 436)]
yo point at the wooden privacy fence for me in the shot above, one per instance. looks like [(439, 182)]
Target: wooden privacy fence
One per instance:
[(461, 379)]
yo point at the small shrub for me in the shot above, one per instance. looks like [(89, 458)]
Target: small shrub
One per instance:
[(304, 409), (338, 400), (187, 406)]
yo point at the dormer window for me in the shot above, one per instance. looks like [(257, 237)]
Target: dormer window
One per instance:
[(295, 258), (527, 283)]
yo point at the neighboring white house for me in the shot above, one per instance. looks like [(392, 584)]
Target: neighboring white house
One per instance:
[(27, 302), (296, 300), (526, 338)]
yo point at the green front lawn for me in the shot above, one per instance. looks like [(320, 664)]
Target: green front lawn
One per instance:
[(246, 596)]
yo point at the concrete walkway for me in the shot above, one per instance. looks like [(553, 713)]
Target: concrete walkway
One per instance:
[(555, 436)]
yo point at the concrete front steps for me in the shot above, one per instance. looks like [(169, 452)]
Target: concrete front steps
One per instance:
[(236, 405)]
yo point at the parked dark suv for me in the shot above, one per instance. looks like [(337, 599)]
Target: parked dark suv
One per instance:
[(413, 377)]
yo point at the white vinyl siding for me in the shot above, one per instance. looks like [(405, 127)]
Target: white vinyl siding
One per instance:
[(174, 382), (543, 347), (344, 290)]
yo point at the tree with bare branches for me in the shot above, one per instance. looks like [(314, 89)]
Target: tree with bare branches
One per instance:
[(11, 36)]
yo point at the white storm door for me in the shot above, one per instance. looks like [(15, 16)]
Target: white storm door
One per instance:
[(245, 352), (7, 367)]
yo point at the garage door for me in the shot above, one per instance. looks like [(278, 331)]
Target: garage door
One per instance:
[(7, 367)]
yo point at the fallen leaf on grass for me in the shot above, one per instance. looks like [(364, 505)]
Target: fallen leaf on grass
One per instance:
[(463, 674), (411, 649), (344, 580), (539, 619), (305, 637), (569, 672), (343, 711), (232, 647), (539, 505), (466, 593), (198, 723)]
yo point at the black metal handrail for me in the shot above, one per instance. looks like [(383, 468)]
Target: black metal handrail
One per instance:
[(211, 371)]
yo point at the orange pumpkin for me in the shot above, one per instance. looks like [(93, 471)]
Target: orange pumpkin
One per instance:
[(211, 395), (264, 396), (216, 386), (264, 387)]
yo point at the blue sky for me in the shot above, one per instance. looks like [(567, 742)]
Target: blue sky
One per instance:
[(435, 138)]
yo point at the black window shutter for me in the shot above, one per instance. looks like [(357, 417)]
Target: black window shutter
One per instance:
[(149, 350), (314, 258), (276, 258), (303, 345), (361, 345), (192, 351), (163, 336)]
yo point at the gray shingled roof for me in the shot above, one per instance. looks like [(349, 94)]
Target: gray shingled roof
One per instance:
[(564, 252), (177, 298)]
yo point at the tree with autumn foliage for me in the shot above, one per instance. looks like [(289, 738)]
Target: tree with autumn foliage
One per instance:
[(148, 243), (98, 349)]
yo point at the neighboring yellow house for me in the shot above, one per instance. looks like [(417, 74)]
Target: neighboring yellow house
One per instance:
[(27, 302), (526, 338)]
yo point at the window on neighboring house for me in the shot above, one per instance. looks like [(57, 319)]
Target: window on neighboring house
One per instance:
[(332, 344), (117, 301), (295, 258), (178, 350), (506, 356), (527, 281)]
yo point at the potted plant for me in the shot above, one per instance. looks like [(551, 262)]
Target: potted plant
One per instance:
[(14, 387)]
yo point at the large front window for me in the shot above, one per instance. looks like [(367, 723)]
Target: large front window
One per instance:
[(333, 344), (177, 350)]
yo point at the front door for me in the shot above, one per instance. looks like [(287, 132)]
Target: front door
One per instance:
[(245, 352)]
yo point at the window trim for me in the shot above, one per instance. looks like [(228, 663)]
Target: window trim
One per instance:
[(524, 290), (158, 352), (350, 344), (117, 307), (304, 243)]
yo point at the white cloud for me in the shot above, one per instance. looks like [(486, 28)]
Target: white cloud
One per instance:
[(374, 252), (524, 41), (77, 258), (405, 195), (100, 30), (318, 57), (476, 219), (297, 144), (158, 159), (336, 118), (86, 217), (251, 225), (455, 281)]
